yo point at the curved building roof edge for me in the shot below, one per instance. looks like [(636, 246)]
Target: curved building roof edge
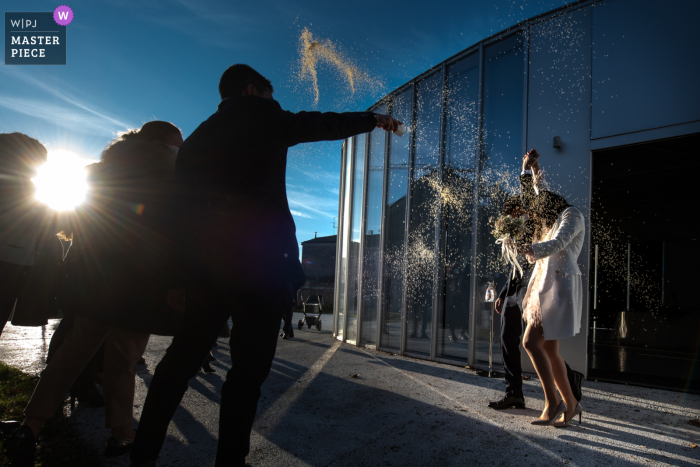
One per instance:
[(556, 11)]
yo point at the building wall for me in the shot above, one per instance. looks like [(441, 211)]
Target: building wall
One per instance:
[(559, 90), (646, 63)]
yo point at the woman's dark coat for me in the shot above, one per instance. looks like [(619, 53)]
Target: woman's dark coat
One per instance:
[(125, 255)]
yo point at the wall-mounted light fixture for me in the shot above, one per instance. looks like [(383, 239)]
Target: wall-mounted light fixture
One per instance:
[(557, 142)]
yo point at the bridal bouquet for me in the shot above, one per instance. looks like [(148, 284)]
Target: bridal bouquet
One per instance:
[(508, 230)]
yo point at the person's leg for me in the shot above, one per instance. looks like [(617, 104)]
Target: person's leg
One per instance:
[(511, 331), (180, 363), (560, 377), (10, 282), (79, 346), (534, 346), (253, 344), (122, 351)]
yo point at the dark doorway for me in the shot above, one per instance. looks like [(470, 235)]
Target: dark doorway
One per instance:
[(645, 307)]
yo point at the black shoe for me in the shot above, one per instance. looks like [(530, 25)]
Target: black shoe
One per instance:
[(118, 446), (291, 333), (21, 447), (508, 402), (575, 381)]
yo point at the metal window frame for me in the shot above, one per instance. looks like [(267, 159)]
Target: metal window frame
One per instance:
[(338, 237), (351, 192), (475, 213), (411, 169), (439, 269), (361, 252), (382, 222)]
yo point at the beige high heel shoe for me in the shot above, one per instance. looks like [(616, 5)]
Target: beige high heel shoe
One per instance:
[(577, 411), (560, 410)]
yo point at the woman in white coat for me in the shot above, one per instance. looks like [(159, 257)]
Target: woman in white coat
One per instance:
[(553, 302)]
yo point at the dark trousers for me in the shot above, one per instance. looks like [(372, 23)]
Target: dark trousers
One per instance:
[(288, 315), (253, 343), (511, 332)]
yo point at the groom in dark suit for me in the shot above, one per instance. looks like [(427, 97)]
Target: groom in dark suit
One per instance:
[(510, 306)]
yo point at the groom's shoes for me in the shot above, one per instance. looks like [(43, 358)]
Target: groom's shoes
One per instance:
[(508, 402)]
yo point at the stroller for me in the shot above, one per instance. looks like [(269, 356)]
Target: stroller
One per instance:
[(313, 308)]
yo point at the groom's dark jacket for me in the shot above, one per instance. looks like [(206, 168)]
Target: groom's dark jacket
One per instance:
[(514, 289), (232, 170)]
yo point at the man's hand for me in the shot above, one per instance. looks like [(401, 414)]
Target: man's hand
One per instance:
[(176, 299), (499, 305), (526, 249), (388, 123)]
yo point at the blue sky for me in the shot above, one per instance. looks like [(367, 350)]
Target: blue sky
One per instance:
[(134, 61)]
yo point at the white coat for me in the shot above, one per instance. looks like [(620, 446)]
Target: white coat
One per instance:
[(561, 290)]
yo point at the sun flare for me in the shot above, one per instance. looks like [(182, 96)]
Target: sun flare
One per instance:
[(61, 182)]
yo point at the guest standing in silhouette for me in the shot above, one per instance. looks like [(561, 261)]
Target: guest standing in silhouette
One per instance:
[(244, 252)]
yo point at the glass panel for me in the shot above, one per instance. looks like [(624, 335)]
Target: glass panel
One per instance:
[(458, 204), (345, 227), (393, 268), (373, 223), (355, 236), (500, 166), (425, 204)]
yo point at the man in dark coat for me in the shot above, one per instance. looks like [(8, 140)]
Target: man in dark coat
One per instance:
[(243, 249), (510, 306)]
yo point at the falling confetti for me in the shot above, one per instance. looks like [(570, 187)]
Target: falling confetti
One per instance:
[(314, 52)]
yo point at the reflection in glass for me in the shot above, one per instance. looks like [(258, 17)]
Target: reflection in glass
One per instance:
[(500, 161), (355, 235), (373, 223), (344, 228), (425, 205), (394, 252), (458, 204)]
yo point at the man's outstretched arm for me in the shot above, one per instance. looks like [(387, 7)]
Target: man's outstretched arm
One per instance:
[(307, 127)]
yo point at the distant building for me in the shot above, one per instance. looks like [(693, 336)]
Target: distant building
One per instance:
[(318, 261)]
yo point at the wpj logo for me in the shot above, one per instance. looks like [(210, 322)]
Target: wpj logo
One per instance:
[(36, 38)]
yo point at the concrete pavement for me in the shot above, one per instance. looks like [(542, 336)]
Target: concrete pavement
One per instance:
[(332, 404)]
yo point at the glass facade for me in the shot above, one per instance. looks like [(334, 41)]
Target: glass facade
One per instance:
[(425, 206), (500, 158), (371, 253), (416, 251), (342, 240), (353, 280), (394, 258), (461, 136)]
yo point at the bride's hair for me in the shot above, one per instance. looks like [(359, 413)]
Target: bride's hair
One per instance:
[(547, 206)]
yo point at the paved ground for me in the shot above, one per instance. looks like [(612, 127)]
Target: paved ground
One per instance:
[(332, 404)]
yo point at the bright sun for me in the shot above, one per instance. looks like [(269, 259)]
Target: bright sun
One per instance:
[(61, 182)]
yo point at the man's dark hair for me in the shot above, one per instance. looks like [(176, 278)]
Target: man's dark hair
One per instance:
[(511, 204), (237, 77)]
